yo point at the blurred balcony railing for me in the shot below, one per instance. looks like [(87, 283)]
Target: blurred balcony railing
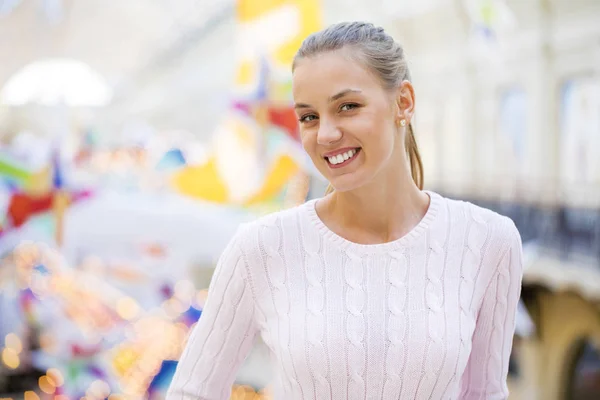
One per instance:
[(565, 231)]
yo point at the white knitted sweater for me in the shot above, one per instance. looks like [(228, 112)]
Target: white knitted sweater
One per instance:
[(428, 316)]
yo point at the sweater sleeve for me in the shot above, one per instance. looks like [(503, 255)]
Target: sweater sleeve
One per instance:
[(487, 369), (222, 337)]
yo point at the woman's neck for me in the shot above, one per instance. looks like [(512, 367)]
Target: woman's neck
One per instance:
[(375, 214)]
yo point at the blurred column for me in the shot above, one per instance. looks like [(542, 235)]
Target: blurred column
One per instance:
[(544, 139)]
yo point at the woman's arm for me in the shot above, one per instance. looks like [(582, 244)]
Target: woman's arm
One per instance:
[(223, 336), (487, 368)]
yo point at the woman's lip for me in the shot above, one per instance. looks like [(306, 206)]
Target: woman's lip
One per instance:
[(339, 151), (345, 162)]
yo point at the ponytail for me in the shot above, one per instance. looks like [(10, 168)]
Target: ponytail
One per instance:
[(416, 165)]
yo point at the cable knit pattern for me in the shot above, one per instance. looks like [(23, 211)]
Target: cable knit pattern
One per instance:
[(355, 325), (315, 320), (434, 300), (276, 278), (397, 330), (428, 316)]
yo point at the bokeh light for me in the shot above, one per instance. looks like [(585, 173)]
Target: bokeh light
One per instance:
[(98, 390), (184, 291), (30, 395), (10, 358), (46, 385), (47, 341), (127, 308), (56, 376), (13, 342), (201, 298)]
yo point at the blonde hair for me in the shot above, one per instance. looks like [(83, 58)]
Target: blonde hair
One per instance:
[(381, 54)]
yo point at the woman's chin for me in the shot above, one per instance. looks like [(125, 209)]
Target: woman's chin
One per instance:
[(346, 183)]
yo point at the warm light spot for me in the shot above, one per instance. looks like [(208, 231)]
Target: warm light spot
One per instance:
[(13, 342), (127, 308), (47, 341), (201, 298), (184, 290), (10, 358), (29, 395), (56, 377), (116, 397), (46, 385), (60, 397), (98, 390), (173, 307)]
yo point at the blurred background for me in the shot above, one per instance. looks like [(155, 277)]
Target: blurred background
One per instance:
[(135, 136)]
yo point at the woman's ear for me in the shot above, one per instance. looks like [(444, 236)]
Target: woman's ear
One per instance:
[(405, 100)]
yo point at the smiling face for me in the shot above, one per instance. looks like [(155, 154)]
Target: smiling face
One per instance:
[(347, 119)]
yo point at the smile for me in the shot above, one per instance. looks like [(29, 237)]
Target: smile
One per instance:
[(342, 159)]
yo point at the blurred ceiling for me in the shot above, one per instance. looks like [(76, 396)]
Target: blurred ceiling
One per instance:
[(130, 43), (171, 63), (120, 39)]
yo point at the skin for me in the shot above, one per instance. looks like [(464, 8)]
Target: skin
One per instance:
[(340, 104)]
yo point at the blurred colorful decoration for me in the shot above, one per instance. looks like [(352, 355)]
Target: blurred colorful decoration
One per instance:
[(79, 326), (173, 159), (489, 17), (201, 181), (28, 193), (23, 206), (161, 381), (12, 171), (111, 310), (256, 151), (281, 171)]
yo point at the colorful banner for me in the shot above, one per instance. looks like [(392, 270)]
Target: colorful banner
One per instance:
[(256, 147)]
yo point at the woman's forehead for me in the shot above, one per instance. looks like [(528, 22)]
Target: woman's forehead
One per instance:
[(328, 75)]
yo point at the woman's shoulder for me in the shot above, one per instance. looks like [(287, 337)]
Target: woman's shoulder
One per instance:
[(490, 239), (270, 227), (499, 231)]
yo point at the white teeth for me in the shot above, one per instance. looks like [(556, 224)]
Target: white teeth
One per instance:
[(341, 157)]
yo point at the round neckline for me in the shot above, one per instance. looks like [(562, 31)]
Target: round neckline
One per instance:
[(402, 242)]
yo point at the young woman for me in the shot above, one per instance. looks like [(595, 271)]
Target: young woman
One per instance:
[(379, 290)]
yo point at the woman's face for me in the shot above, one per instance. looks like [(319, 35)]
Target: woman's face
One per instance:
[(348, 121)]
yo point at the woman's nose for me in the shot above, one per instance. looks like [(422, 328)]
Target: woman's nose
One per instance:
[(328, 134)]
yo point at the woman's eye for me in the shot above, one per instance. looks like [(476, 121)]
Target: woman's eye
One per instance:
[(348, 106), (307, 118)]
